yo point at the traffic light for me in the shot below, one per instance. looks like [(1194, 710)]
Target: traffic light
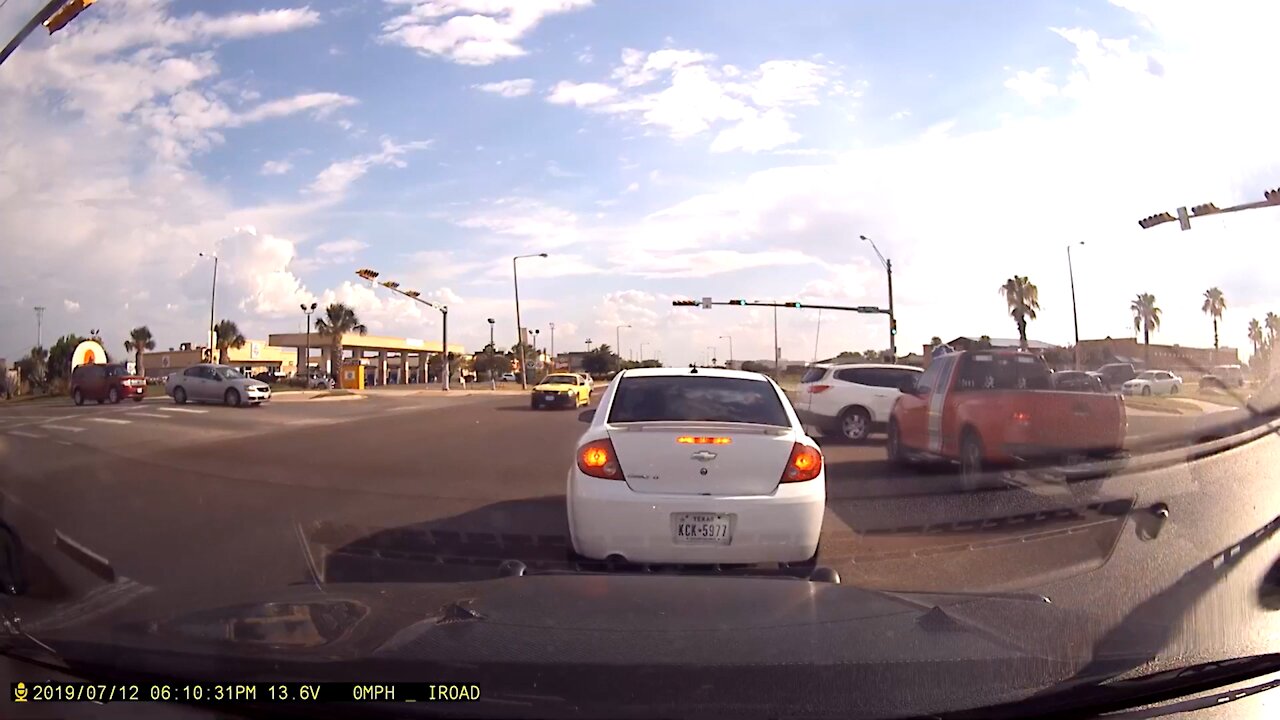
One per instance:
[(684, 303), (1272, 196), (392, 284), (893, 326), (1205, 209), (1153, 220), (792, 304), (737, 302), (367, 274), (66, 14), (412, 293)]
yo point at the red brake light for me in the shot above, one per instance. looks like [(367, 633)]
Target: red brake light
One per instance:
[(598, 459), (1022, 417), (815, 389), (694, 440), (805, 463)]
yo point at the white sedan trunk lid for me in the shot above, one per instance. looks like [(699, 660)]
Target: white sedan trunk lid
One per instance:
[(654, 460)]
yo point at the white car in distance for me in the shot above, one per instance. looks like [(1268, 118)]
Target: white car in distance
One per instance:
[(695, 466), (1153, 382), (848, 402)]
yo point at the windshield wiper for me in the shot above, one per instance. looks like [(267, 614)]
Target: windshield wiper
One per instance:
[(1085, 699)]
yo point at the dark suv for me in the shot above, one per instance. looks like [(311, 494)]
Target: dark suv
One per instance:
[(1116, 374), (105, 382)]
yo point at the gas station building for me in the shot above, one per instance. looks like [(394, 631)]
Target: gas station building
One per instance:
[(389, 360)]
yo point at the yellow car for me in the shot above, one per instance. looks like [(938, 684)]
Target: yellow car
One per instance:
[(560, 390)]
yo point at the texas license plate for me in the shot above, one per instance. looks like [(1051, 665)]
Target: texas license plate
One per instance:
[(549, 397), (702, 528)]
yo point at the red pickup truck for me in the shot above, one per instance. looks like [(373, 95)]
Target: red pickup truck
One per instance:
[(987, 407)]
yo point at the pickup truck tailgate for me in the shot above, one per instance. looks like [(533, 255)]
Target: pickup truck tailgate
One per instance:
[(1046, 421)]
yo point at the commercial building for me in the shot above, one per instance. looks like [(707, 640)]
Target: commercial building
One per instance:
[(1176, 358), (253, 357)]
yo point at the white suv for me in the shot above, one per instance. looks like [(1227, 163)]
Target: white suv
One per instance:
[(849, 401)]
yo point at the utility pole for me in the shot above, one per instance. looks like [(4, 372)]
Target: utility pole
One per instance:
[(730, 339), (553, 344), (493, 351), (39, 325), (1075, 318), (520, 342), (213, 299)]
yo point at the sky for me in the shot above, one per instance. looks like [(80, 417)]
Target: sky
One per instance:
[(655, 150)]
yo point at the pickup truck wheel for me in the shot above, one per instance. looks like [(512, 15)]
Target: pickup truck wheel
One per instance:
[(970, 460), (855, 424), (1146, 390)]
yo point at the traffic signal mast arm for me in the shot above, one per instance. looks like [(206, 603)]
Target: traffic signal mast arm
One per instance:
[(867, 309), (1271, 199)]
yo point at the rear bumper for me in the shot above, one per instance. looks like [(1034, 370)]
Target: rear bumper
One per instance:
[(607, 518)]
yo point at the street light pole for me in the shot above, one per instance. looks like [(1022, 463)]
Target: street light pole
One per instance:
[(493, 351), (642, 352), (730, 339), (213, 297), (893, 322), (515, 280), (617, 342), (1075, 318), (306, 358), (39, 325), (553, 345)]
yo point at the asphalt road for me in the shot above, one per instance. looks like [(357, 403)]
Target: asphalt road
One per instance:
[(407, 485)]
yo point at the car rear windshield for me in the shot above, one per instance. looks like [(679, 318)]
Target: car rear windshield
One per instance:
[(117, 371), (560, 380), (984, 371), (813, 374), (695, 398)]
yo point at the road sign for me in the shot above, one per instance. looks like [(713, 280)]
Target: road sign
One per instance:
[(1183, 220), (706, 303)]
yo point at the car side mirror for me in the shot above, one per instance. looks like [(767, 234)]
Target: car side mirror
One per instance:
[(587, 416)]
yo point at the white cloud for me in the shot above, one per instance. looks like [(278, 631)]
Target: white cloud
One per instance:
[(633, 187), (71, 306), (695, 96), (276, 167), (755, 133), (1034, 87), (580, 94), (535, 223), (508, 88), (337, 177), (470, 32)]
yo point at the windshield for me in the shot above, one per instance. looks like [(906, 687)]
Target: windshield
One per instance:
[(560, 380), (724, 358)]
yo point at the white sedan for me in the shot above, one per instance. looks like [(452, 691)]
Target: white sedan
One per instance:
[(1153, 382), (695, 466)]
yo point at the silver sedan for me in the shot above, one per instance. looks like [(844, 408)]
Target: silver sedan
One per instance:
[(209, 382)]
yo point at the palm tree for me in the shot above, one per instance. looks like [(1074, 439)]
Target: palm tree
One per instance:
[(139, 339), (37, 365), (1146, 317), (1273, 328), (1255, 334), (228, 336), (1214, 304), (1024, 300), (338, 320)]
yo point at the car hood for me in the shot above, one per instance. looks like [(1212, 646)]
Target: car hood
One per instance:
[(249, 384), (566, 634)]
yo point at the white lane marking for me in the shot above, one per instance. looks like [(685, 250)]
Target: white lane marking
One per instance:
[(150, 415), (25, 434), (313, 421), (64, 442), (402, 407), (112, 421), (183, 410), (68, 428)]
